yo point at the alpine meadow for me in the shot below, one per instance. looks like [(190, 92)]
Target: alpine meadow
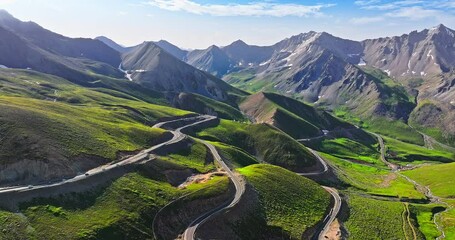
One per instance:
[(336, 122)]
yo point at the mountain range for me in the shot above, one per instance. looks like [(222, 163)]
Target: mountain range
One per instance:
[(401, 78), (389, 77), (314, 137)]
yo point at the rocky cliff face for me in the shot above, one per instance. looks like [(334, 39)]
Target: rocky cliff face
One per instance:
[(417, 54), (436, 106)]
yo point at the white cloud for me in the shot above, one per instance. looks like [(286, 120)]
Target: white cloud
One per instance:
[(366, 2), (415, 13), (249, 9), (448, 4), (440, 10), (377, 5), (366, 20)]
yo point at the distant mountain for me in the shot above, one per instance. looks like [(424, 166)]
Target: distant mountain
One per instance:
[(58, 44), (28, 45), (16, 52), (417, 54), (109, 42), (243, 54), (165, 45), (154, 68), (319, 69), (172, 49), (212, 60)]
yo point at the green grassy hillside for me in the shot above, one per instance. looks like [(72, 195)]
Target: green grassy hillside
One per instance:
[(410, 153), (262, 141), (234, 155), (437, 177), (375, 219), (194, 157), (292, 116), (125, 208), (285, 197), (204, 105), (348, 149), (385, 126), (376, 180), (394, 129), (68, 128)]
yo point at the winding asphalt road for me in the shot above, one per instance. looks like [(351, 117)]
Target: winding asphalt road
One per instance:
[(239, 183), (332, 215), (144, 154), (333, 212), (324, 164), (239, 190)]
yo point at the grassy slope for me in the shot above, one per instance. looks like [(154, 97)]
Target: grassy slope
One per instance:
[(97, 122), (200, 104), (395, 129), (234, 155), (373, 179), (263, 141), (348, 149), (71, 131), (285, 197), (194, 158), (424, 215), (448, 220), (292, 116), (246, 80), (123, 210), (14, 226), (405, 152), (439, 178), (375, 219), (384, 126)]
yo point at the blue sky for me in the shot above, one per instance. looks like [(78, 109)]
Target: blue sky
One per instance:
[(201, 23)]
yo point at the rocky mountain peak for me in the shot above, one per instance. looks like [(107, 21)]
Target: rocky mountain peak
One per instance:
[(214, 47), (238, 43), (5, 15), (442, 30)]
